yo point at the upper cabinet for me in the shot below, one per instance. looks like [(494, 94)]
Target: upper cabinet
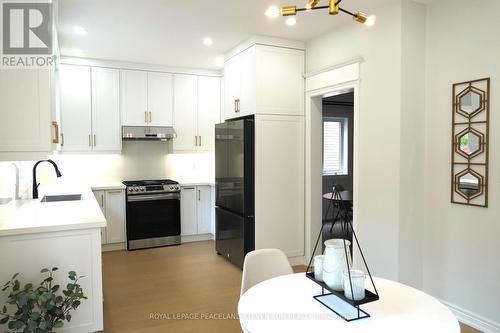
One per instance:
[(160, 99), (196, 110), (106, 109), (76, 108), (146, 98), (134, 97), (27, 116), (90, 109), (279, 73)]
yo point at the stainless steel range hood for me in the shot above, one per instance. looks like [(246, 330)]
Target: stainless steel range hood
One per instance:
[(148, 133)]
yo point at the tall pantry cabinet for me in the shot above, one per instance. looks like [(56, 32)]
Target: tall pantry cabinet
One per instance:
[(263, 78)]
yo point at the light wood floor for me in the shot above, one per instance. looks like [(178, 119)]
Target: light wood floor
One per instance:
[(168, 281)]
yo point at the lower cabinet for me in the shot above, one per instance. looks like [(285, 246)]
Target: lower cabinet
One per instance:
[(196, 211), (112, 203)]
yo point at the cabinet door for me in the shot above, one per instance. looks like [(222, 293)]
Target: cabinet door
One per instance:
[(232, 87), (185, 105), (115, 216), (100, 197), (279, 183), (204, 209), (208, 111), (189, 224), (25, 110), (134, 97), (247, 94), (281, 83), (106, 109), (160, 99), (76, 108)]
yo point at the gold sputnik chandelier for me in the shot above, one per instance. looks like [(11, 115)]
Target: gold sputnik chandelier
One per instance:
[(333, 9)]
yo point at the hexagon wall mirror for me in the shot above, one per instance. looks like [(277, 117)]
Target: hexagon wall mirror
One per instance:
[(468, 184), (470, 102), (470, 143), (470, 133)]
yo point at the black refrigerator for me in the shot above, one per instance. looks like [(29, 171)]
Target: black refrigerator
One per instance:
[(234, 189)]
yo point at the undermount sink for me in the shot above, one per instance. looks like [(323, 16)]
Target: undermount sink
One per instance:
[(67, 197)]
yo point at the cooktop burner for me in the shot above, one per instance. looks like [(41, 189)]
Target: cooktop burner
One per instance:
[(149, 182)]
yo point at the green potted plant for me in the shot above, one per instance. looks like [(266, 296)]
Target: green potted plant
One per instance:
[(40, 309)]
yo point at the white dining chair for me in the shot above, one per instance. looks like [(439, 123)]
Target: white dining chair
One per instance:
[(262, 265)]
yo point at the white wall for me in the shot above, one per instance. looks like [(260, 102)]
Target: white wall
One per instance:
[(139, 160), (408, 227), (379, 119), (411, 193), (462, 247)]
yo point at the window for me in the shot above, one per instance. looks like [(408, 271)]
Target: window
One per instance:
[(335, 146)]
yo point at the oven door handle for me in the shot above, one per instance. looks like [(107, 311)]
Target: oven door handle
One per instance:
[(154, 197)]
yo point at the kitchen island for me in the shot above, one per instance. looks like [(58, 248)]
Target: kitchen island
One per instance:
[(64, 234)]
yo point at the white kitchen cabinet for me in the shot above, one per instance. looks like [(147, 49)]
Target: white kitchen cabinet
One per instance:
[(185, 112), (134, 97), (196, 210), (189, 223), (106, 127), (197, 110), (115, 216), (209, 111), (90, 112), (76, 108), (112, 203), (160, 99), (264, 79), (204, 209), (100, 197), (279, 183), (146, 98), (26, 111)]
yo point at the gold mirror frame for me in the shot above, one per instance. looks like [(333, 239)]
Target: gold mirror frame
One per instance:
[(469, 169)]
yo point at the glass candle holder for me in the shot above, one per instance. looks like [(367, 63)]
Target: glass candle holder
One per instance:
[(358, 285), (318, 267)]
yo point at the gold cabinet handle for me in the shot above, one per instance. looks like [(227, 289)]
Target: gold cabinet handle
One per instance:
[(200, 140), (90, 140), (62, 139), (237, 105), (95, 140), (150, 117), (196, 141), (146, 117), (55, 136)]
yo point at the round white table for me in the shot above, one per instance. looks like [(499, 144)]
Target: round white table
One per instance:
[(286, 304)]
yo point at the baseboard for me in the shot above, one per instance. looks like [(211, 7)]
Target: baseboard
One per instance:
[(473, 320), (197, 238), (113, 247), (297, 261)]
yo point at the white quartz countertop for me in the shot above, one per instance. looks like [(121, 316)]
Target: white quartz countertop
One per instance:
[(32, 216), (108, 186), (197, 184)]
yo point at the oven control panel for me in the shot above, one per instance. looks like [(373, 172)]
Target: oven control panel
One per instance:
[(153, 189)]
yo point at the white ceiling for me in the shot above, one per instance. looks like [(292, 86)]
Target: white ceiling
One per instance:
[(170, 33)]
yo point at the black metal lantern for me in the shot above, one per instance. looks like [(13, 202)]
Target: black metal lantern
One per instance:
[(335, 300)]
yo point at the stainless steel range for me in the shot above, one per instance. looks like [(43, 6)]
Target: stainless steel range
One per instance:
[(153, 213)]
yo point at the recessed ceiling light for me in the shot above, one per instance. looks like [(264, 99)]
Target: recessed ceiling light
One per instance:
[(272, 11), (207, 41), (219, 61), (79, 30), (291, 21)]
